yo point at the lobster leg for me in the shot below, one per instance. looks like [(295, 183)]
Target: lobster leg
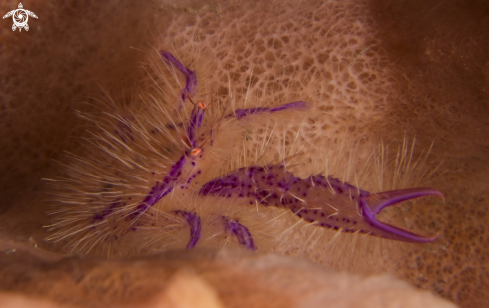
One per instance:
[(324, 201), (194, 223), (241, 232)]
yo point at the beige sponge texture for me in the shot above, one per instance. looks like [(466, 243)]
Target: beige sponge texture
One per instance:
[(271, 53)]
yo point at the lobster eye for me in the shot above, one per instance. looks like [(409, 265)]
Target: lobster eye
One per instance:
[(201, 105), (195, 152)]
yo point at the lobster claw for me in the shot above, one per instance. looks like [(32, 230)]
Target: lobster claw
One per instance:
[(373, 204)]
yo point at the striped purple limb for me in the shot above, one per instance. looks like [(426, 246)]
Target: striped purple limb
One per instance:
[(162, 189), (240, 113), (372, 205), (196, 119), (193, 221), (197, 116), (241, 232), (190, 76)]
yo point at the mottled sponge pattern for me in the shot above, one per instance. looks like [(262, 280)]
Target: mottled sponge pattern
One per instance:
[(277, 53)]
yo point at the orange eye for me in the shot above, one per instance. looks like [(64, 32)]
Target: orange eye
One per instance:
[(195, 152), (201, 105)]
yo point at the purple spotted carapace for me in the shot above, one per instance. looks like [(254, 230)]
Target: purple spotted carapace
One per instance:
[(325, 201)]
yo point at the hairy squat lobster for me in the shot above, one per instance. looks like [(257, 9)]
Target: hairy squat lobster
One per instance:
[(320, 200)]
